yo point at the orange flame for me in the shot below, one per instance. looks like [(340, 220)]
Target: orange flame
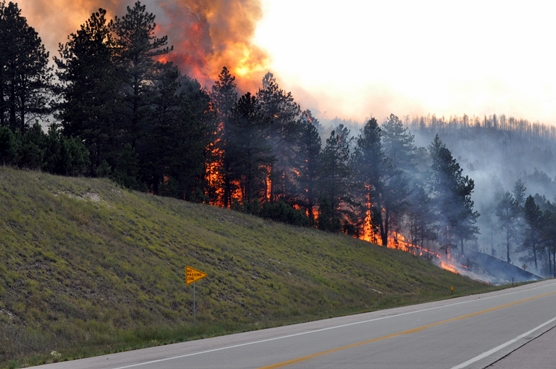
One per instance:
[(210, 34), (206, 34), (449, 267)]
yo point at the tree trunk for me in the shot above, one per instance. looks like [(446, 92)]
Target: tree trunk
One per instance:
[(535, 255), (384, 229), (508, 248)]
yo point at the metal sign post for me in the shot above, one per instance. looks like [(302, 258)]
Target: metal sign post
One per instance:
[(191, 276), (194, 309)]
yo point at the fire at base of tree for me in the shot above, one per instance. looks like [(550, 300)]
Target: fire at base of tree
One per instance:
[(122, 111)]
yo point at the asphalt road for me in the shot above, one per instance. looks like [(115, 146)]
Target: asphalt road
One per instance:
[(467, 332)]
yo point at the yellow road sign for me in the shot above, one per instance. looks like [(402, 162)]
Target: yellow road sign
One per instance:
[(193, 275)]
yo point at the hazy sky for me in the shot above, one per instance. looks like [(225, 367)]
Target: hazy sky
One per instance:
[(354, 58)]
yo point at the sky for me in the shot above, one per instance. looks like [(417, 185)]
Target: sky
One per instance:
[(357, 59)]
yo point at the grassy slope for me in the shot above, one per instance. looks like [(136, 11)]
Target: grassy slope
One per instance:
[(85, 262)]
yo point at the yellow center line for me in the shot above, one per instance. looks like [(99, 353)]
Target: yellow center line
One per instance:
[(392, 335)]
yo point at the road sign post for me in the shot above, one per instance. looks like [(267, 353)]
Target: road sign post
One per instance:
[(191, 276)]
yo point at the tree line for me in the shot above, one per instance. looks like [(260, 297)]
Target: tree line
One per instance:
[(116, 109)]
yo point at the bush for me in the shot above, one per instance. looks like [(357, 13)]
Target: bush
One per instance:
[(285, 213)]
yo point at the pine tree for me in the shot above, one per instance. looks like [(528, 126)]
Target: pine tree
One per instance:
[(193, 134), (422, 218), (8, 146), (383, 186), (307, 165), (137, 48), (224, 97), (507, 211), (249, 152), (548, 236), (88, 87), (24, 71), (452, 195), (532, 215), (369, 164), (283, 133), (398, 144), (161, 136), (336, 174)]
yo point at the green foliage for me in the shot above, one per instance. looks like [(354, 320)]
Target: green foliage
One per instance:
[(307, 164), (127, 169), (249, 151), (32, 150), (89, 269), (336, 174), (8, 146), (88, 89), (328, 219), (65, 156), (452, 191), (508, 212), (281, 112), (533, 217), (136, 47), (285, 213), (24, 71)]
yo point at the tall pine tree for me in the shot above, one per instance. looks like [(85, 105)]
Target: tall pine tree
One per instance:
[(24, 71), (451, 191)]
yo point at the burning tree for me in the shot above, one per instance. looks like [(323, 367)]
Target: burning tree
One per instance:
[(283, 134), (249, 148), (382, 187), (219, 171), (307, 166)]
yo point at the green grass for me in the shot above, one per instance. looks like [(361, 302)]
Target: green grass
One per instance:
[(88, 268)]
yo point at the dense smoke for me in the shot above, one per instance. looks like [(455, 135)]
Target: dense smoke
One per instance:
[(206, 35), (496, 152)]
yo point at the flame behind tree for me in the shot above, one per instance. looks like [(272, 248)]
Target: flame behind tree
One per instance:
[(206, 34)]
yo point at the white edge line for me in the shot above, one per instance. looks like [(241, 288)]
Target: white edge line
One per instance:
[(337, 327), (498, 348)]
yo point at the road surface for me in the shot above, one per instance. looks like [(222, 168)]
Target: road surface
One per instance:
[(466, 332)]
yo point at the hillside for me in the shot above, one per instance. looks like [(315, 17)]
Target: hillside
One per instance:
[(87, 267)]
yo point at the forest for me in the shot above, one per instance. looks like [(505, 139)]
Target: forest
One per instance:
[(110, 105)]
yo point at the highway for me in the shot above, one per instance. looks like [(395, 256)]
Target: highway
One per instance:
[(466, 332)]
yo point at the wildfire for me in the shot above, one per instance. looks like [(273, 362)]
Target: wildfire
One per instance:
[(398, 241), (206, 34), (449, 267)]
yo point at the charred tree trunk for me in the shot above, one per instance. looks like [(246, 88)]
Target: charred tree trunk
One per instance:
[(554, 262), (2, 103), (384, 228), (12, 107), (508, 247)]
